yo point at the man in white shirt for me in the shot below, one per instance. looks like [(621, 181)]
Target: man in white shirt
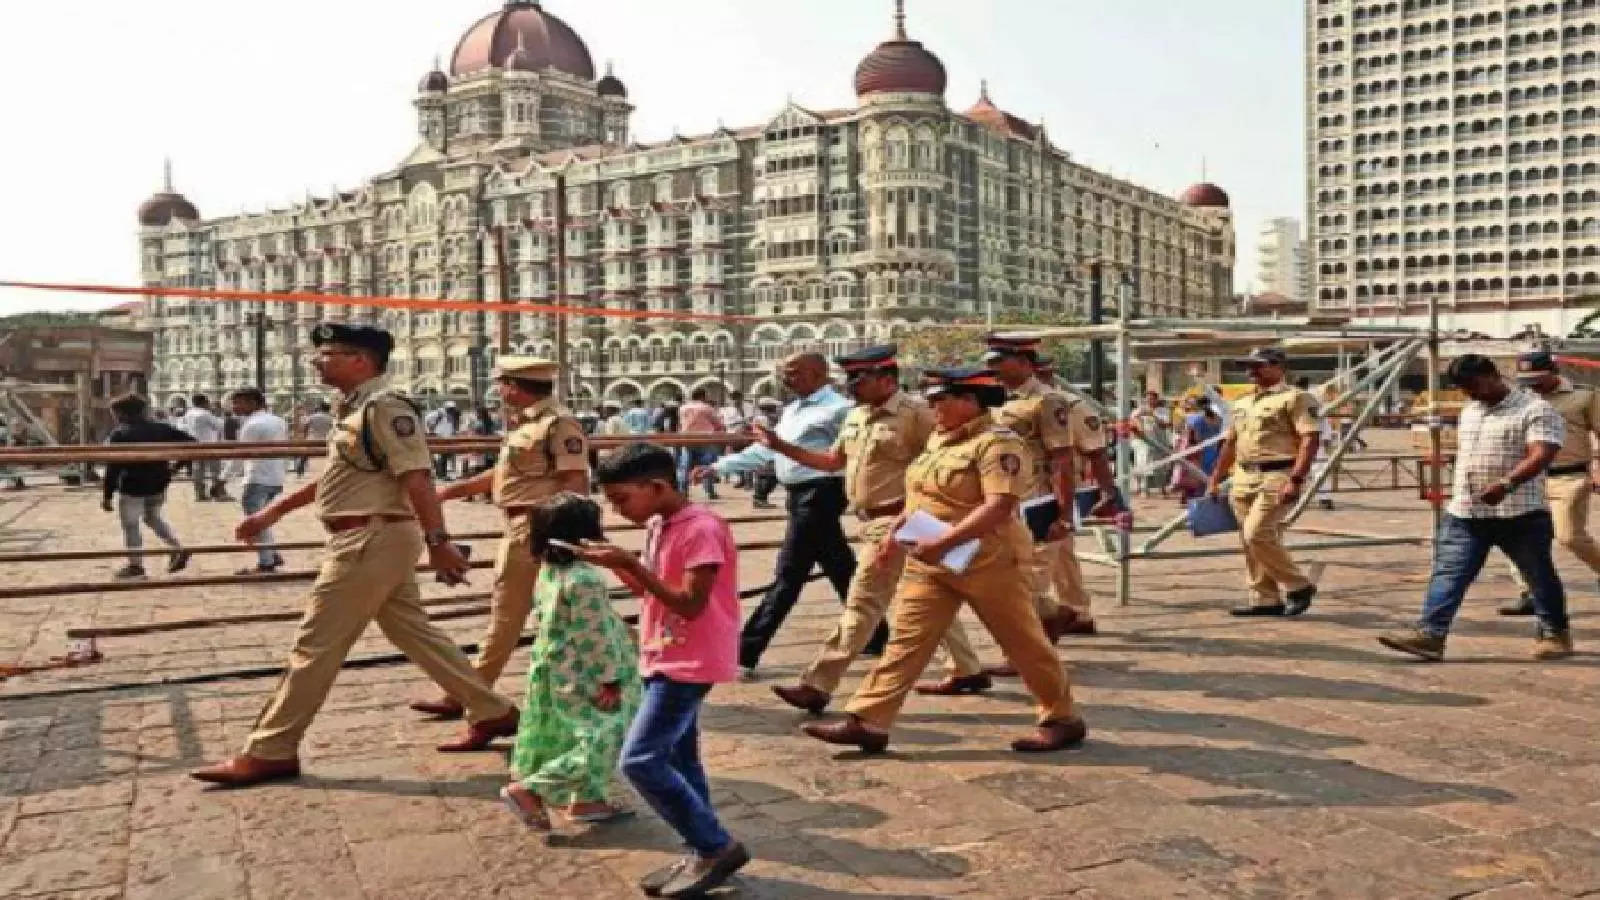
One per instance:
[(205, 427), (318, 424), (263, 478)]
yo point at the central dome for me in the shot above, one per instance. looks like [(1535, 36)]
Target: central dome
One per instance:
[(523, 30), (900, 65)]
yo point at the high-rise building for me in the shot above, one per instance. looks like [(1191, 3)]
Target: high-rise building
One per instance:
[(828, 227), (1281, 260), (1453, 153)]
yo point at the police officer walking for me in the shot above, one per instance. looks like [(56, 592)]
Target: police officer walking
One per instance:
[(547, 453), (881, 436), (1571, 478), (970, 478), (376, 500), (1273, 439)]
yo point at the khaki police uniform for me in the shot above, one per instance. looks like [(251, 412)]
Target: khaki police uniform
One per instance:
[(1266, 430), (878, 443), (547, 442), (951, 478), (1568, 485), (368, 574), (1088, 434)]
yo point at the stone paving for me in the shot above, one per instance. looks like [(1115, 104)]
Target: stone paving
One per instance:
[(1226, 759)]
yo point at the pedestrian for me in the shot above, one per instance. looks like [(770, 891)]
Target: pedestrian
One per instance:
[(972, 478), (1326, 441), (263, 478), (205, 427), (317, 427), (816, 500), (688, 585), (700, 418), (1506, 438), (637, 417), (545, 455), (444, 422), (484, 424), (1574, 472), (881, 436), (1149, 421), (1272, 437), (140, 489), (579, 702), (1200, 426), (377, 502)]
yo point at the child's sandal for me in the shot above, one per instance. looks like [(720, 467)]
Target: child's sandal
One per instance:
[(536, 819)]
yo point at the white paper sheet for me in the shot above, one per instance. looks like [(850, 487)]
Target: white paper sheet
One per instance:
[(921, 526)]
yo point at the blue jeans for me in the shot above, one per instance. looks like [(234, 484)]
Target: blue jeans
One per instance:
[(1459, 551), (661, 758), (254, 499), (688, 459)]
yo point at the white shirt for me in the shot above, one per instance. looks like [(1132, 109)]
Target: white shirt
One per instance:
[(1490, 441), (440, 424), (318, 424), (202, 425), (261, 428), (734, 417)]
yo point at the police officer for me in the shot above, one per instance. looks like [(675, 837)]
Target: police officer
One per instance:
[(971, 477), (545, 454), (881, 436), (376, 500), (1570, 477), (1273, 439)]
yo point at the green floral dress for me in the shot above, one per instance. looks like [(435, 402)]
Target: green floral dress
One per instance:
[(567, 748)]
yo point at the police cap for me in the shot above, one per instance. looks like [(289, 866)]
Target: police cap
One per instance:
[(980, 384), (868, 360), (365, 337), (1022, 345), (527, 368), (1265, 356)]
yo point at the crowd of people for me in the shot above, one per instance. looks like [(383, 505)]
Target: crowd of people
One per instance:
[(968, 492)]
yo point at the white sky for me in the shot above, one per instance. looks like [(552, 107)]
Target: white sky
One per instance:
[(257, 103)]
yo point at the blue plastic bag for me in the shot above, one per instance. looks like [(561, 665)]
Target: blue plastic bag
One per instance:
[(1208, 515)]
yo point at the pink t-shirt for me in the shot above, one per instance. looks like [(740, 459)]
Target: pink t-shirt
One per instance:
[(699, 418), (704, 650)]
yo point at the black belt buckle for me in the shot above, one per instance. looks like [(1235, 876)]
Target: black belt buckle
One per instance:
[(1276, 465)]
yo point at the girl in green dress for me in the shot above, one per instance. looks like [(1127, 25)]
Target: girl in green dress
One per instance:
[(583, 679)]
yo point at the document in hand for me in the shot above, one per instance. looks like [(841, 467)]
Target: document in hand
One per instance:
[(921, 526)]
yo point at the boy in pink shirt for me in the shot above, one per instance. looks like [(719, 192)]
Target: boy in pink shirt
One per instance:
[(688, 581)]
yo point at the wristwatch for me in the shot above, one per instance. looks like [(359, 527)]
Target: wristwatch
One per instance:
[(436, 537)]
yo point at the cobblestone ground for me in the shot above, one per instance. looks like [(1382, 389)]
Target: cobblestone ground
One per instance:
[(1227, 758)]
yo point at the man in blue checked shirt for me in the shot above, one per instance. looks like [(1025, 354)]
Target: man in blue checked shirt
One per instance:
[(816, 501)]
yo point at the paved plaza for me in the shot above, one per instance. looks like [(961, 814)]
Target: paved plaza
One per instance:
[(1226, 758)]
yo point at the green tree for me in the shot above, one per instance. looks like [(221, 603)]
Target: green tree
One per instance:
[(1589, 325), (926, 346)]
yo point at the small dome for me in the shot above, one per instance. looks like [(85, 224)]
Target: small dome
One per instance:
[(900, 66), (1204, 194), (610, 85), (985, 113), (523, 30), (162, 208), (435, 82)]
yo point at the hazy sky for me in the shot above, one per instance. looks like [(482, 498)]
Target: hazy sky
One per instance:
[(257, 103)]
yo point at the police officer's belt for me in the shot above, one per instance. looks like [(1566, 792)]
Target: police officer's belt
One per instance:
[(1569, 469), (1273, 465), (336, 524), (878, 512)]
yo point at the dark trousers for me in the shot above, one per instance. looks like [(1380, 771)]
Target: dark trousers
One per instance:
[(1459, 550), (814, 538), (765, 484)]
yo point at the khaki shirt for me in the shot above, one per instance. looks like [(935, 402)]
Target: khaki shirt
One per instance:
[(1580, 407), (1267, 425), (960, 469), (1049, 420), (878, 443), (546, 442), (354, 483)]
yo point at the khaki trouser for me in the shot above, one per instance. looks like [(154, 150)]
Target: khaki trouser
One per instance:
[(871, 591), (1569, 510), (1067, 575), (1038, 573), (1268, 569), (925, 607), (368, 576), (515, 571)]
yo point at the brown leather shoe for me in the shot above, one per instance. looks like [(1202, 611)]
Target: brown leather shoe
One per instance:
[(1053, 736), (479, 735), (849, 731), (1004, 670), (1079, 624), (446, 708), (956, 685), (803, 696), (245, 770)]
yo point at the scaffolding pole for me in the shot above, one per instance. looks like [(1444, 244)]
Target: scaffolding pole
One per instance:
[(1124, 450)]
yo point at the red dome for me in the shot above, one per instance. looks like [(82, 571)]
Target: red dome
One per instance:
[(1204, 194), (900, 65), (521, 27), (162, 208), (985, 113)]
